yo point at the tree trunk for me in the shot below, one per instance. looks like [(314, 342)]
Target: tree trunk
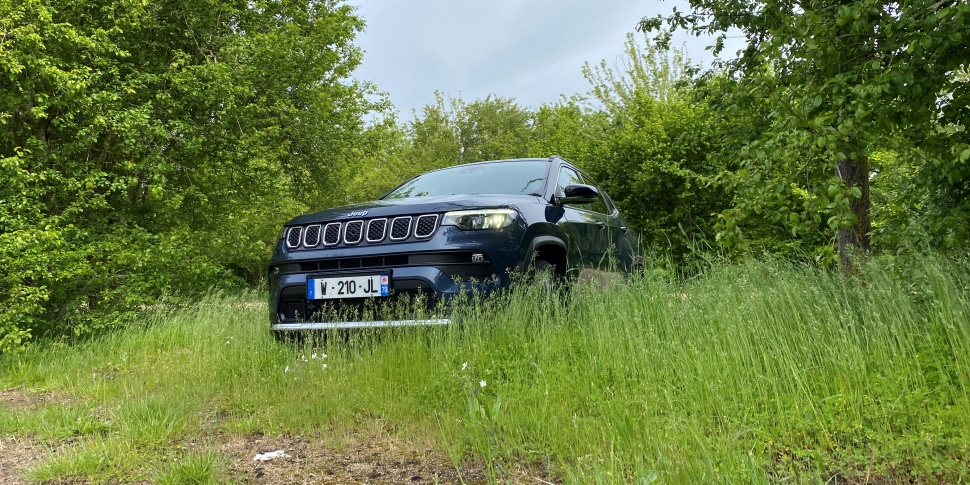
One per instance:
[(854, 241)]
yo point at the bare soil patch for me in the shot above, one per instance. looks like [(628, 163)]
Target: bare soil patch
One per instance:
[(21, 400), (17, 454), (369, 457), (373, 460)]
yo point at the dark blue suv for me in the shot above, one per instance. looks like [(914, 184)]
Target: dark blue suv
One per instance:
[(465, 228)]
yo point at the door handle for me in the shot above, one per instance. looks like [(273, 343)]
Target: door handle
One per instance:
[(601, 225)]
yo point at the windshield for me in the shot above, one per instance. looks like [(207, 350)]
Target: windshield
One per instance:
[(514, 177)]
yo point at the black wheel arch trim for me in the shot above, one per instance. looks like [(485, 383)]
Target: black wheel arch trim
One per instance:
[(538, 242)]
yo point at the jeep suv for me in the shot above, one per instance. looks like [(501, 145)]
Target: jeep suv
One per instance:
[(465, 228)]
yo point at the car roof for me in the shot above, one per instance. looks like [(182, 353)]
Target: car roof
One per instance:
[(554, 158)]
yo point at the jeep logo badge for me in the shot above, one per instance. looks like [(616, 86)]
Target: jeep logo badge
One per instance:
[(357, 214), (478, 258)]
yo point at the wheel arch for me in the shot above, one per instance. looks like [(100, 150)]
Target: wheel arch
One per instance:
[(548, 248)]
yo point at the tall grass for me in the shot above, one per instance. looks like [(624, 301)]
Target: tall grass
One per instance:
[(749, 373)]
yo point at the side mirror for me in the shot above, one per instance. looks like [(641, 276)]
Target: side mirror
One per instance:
[(579, 194)]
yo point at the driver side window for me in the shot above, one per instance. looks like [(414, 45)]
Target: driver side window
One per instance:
[(600, 204), (568, 176)]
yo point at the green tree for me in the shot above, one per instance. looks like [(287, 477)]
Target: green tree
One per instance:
[(843, 80), (653, 156), (380, 161), (493, 128), (155, 147), (569, 128), (433, 137)]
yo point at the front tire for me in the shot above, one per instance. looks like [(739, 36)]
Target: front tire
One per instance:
[(544, 275)]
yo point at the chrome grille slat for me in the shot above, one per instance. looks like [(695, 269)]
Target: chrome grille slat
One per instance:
[(376, 228), (293, 237), (400, 228), (425, 226), (331, 234), (353, 232), (311, 235)]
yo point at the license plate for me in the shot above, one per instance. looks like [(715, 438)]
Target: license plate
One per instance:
[(347, 287)]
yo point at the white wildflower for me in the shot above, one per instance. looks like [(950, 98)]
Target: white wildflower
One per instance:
[(481, 383), (464, 365), (287, 370), (313, 356), (324, 367)]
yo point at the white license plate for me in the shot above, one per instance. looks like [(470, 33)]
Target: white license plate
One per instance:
[(347, 287)]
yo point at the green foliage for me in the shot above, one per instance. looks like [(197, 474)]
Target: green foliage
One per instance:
[(152, 148), (492, 129), (653, 157), (841, 82), (571, 129), (434, 138), (380, 165)]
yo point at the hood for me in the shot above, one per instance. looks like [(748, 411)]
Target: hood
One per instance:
[(412, 206)]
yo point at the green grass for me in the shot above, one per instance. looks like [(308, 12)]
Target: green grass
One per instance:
[(749, 373)]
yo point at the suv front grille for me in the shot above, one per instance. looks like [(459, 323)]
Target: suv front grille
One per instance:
[(375, 230), (311, 235), (369, 231), (293, 236), (331, 234), (353, 231), (425, 226), (400, 228)]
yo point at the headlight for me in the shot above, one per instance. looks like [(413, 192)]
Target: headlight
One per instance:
[(480, 219)]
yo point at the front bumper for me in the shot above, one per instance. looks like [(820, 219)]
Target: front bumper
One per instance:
[(426, 275)]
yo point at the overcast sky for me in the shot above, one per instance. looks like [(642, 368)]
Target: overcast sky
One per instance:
[(529, 50)]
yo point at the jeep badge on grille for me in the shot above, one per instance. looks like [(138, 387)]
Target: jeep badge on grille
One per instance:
[(357, 214)]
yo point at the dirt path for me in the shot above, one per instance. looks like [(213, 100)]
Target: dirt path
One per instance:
[(376, 460), (371, 457), (373, 461), (361, 459), (16, 455)]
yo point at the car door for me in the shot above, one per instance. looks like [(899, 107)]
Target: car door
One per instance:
[(620, 245), (608, 234), (580, 225)]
